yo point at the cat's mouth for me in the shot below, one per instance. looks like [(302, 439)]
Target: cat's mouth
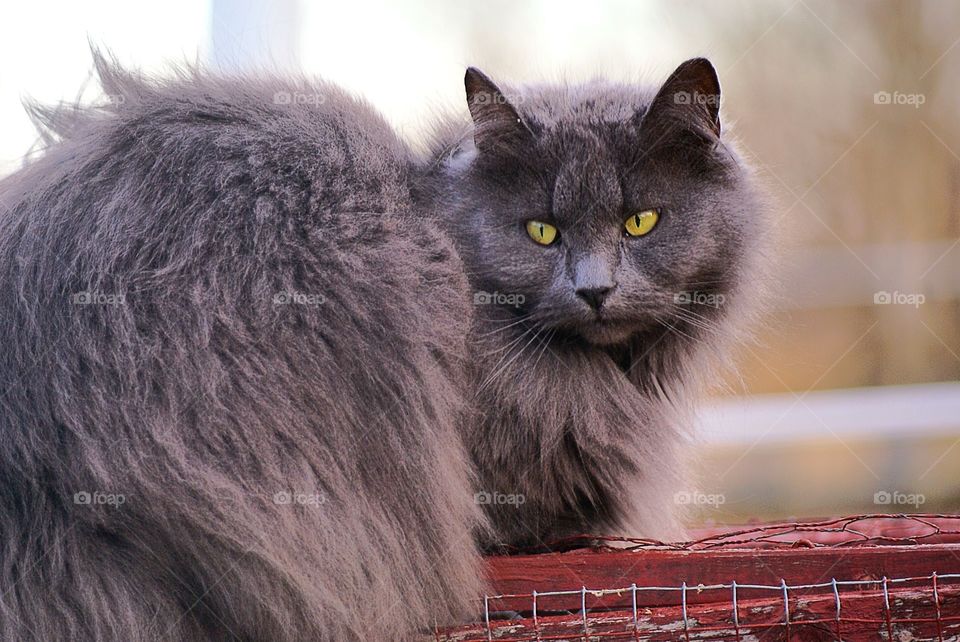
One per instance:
[(602, 331)]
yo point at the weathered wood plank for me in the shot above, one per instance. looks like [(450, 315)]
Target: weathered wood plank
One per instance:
[(606, 569)]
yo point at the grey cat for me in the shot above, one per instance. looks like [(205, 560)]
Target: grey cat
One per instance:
[(584, 389), (264, 365)]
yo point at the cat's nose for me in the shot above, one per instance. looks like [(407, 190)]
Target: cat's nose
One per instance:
[(594, 296)]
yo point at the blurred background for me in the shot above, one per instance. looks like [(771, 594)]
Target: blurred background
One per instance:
[(848, 402)]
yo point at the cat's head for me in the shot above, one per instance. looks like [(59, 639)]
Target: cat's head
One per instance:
[(604, 210)]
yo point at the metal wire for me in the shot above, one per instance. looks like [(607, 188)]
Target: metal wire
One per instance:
[(760, 587), (782, 589)]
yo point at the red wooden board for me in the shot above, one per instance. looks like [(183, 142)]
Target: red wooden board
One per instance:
[(644, 590), (520, 575)]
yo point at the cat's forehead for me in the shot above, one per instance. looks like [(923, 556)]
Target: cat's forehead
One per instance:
[(588, 104), (586, 130), (587, 180), (585, 156)]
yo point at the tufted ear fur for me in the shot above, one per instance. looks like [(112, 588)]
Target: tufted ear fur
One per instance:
[(498, 125), (690, 99)]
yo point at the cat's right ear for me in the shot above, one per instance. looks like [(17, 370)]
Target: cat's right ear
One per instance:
[(688, 101), (497, 125)]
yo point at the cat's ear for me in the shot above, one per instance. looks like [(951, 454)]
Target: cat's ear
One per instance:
[(497, 125), (688, 100)]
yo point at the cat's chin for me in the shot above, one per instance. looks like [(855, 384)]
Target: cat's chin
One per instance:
[(605, 334)]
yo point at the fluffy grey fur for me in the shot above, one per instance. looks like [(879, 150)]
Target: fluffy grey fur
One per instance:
[(269, 373), (246, 367)]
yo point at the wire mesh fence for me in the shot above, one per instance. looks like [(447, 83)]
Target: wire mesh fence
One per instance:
[(865, 577)]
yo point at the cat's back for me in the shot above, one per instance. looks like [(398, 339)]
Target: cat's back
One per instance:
[(217, 292), (264, 130), (248, 191)]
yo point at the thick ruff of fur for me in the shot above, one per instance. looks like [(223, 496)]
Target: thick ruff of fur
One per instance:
[(218, 305)]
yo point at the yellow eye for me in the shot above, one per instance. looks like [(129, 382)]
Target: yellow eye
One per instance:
[(542, 233), (641, 223)]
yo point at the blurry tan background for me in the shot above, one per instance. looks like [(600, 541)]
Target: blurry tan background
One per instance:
[(848, 401)]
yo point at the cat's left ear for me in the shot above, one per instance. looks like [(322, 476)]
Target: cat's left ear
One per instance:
[(497, 125), (690, 98)]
